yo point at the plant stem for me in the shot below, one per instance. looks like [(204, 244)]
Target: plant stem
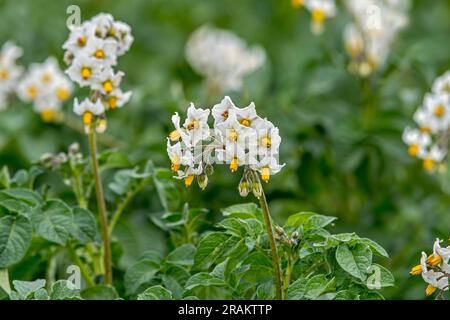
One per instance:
[(4, 280), (101, 207), (84, 271), (273, 245)]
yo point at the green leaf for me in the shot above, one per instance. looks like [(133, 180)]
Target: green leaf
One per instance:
[(204, 279), (209, 249), (26, 288), (5, 178), (355, 261), (138, 274), (296, 289), (41, 294), (244, 211), (15, 238), (298, 219), (64, 290), (346, 295), (375, 247), (155, 293), (28, 196), (53, 221), (309, 289), (100, 292), (318, 221), (183, 255), (379, 277), (84, 226)]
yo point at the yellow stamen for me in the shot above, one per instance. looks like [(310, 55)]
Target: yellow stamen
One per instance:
[(86, 73), (425, 130), (413, 150), (4, 75), (81, 41), (266, 142), (174, 135), (416, 270), (188, 180), (192, 125), (112, 101), (175, 163), (439, 111), (48, 115), (46, 78), (225, 114), (246, 122), (99, 54), (108, 86), (63, 94), (232, 135), (234, 164), (265, 174), (430, 290), (318, 16), (428, 164), (297, 3), (87, 118), (434, 259), (32, 92)]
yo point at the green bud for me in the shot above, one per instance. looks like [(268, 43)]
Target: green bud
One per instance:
[(202, 181)]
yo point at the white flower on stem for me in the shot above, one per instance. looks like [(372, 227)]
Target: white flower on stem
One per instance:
[(435, 279), (108, 81), (48, 107), (196, 124), (320, 10), (222, 57), (437, 107), (103, 51), (88, 110), (234, 155), (248, 117), (222, 110), (102, 23), (122, 32), (84, 70), (78, 39), (178, 156), (442, 84), (9, 70), (416, 140), (432, 157), (117, 99), (269, 139), (440, 255), (179, 132), (189, 174), (267, 167)]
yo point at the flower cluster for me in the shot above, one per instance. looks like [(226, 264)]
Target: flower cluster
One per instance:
[(320, 11), (47, 87), (92, 50), (369, 38), (9, 71), (434, 268), (239, 137), (429, 141), (222, 57)]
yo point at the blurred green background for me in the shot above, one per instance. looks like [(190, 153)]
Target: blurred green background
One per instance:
[(341, 134)]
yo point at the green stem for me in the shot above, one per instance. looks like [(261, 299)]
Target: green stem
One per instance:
[(78, 189), (84, 270), (116, 216), (101, 207), (4, 280), (273, 245), (287, 278)]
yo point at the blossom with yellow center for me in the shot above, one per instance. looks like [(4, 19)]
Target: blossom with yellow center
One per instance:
[(428, 164), (32, 92), (425, 129), (81, 41), (266, 142), (232, 134), (413, 150), (112, 102), (246, 122), (176, 162), (174, 135), (430, 290), (225, 114), (265, 174), (86, 73), (193, 125), (188, 180), (4, 74), (439, 111), (234, 164), (416, 270), (63, 94), (48, 115), (318, 16), (46, 78), (434, 259), (108, 86), (87, 118)]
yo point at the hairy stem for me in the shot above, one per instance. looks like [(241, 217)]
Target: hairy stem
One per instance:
[(101, 207), (273, 245), (4, 280)]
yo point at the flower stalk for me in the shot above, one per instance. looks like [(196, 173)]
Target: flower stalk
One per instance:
[(4, 281), (101, 207)]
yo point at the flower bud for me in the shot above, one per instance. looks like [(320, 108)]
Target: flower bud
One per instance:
[(279, 230), (295, 235), (209, 169), (101, 125), (257, 189), (244, 188), (202, 181)]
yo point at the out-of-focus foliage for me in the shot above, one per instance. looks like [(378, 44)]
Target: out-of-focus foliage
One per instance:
[(341, 134)]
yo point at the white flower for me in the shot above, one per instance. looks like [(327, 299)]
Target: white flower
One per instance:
[(122, 32), (107, 81), (196, 124), (117, 98), (268, 166), (435, 279), (442, 84), (101, 23), (9, 70), (222, 57), (234, 154), (269, 139), (189, 174), (178, 156), (78, 38), (416, 140), (103, 51), (84, 70), (320, 10), (222, 110), (440, 255), (88, 109), (248, 117), (432, 157)]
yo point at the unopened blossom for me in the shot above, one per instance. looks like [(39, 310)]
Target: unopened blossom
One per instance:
[(222, 58), (47, 87), (434, 268), (92, 52), (368, 39), (238, 138), (320, 11), (9, 71)]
